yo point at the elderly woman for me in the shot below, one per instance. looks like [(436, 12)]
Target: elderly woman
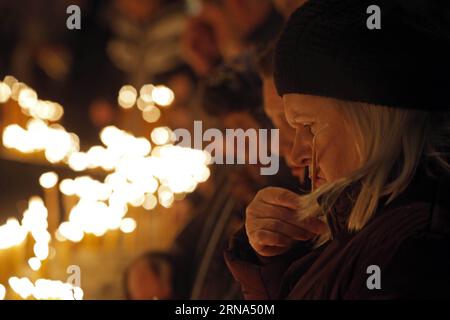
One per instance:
[(370, 113)]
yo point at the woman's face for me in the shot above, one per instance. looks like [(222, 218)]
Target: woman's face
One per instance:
[(318, 118)]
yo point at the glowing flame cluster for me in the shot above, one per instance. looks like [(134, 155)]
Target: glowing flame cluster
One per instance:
[(138, 171), (40, 137), (56, 143), (169, 169), (2, 292), (137, 181), (11, 234), (139, 175), (27, 98), (34, 222), (149, 98), (45, 289), (91, 214)]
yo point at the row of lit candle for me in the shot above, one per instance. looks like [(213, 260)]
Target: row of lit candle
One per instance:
[(139, 174), (44, 289), (149, 98), (27, 98)]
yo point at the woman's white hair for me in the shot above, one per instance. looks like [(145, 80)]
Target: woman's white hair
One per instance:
[(391, 143)]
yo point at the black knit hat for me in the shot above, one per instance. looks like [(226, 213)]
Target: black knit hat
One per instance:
[(326, 49)]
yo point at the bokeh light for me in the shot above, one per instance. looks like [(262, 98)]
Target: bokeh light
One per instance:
[(127, 97), (163, 96), (48, 180)]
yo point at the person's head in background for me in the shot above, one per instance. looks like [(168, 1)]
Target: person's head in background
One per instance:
[(180, 114), (287, 7), (181, 80), (224, 29), (150, 277), (244, 17), (273, 107), (232, 96)]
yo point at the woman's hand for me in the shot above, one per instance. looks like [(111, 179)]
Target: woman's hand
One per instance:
[(272, 223)]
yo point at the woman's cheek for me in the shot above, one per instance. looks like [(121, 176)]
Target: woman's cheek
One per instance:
[(333, 165), (327, 169)]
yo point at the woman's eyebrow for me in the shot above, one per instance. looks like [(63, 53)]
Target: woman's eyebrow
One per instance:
[(290, 123), (304, 118)]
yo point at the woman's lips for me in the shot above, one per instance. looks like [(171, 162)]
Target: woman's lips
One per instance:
[(300, 172)]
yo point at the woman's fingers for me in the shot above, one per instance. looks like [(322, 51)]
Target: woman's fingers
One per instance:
[(268, 251), (261, 238), (283, 228), (262, 210), (281, 204), (279, 197), (273, 225)]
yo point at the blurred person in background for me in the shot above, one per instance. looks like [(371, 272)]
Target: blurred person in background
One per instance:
[(225, 29), (182, 112), (145, 44), (146, 37), (231, 95), (154, 276), (273, 107), (199, 246)]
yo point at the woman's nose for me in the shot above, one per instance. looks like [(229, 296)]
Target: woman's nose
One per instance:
[(301, 150)]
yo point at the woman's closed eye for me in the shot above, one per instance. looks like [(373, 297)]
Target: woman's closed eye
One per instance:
[(303, 123), (313, 128), (307, 126)]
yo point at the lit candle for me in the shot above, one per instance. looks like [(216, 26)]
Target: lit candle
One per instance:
[(49, 182)]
